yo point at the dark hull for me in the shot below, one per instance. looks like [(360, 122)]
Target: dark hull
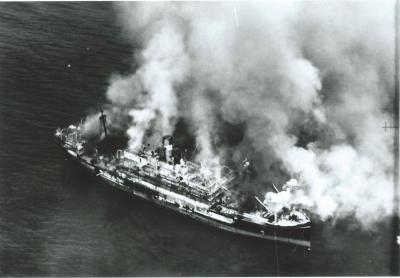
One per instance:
[(295, 235)]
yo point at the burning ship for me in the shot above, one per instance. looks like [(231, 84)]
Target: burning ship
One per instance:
[(165, 177)]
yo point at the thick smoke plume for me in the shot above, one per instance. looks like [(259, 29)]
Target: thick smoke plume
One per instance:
[(307, 85)]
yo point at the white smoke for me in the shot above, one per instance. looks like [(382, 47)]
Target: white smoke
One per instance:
[(151, 89), (311, 83)]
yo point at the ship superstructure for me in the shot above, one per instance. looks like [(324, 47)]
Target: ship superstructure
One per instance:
[(164, 176)]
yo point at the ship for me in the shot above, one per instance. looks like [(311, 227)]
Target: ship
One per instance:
[(172, 181)]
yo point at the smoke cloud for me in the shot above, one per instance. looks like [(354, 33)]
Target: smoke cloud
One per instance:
[(307, 85)]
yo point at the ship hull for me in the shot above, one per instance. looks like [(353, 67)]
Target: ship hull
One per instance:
[(147, 190)]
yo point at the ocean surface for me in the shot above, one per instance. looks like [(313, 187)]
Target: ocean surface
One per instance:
[(57, 219)]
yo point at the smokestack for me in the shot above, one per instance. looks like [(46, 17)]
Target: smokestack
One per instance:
[(102, 119)]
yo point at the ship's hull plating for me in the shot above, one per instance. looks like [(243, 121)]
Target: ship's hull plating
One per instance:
[(141, 188)]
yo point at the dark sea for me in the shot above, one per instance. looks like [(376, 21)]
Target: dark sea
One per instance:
[(58, 219)]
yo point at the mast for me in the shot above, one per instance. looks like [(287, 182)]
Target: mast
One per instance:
[(102, 119)]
